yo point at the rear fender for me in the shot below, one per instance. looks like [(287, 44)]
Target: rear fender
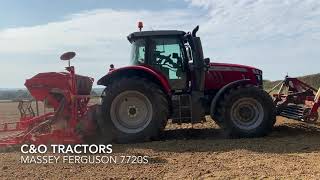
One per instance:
[(221, 92), (141, 71)]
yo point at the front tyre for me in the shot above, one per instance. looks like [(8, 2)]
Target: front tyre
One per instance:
[(247, 112), (134, 110)]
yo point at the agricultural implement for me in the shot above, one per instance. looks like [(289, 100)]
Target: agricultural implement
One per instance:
[(70, 120), (297, 100), (168, 78)]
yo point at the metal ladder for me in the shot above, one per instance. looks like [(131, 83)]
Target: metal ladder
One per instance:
[(185, 109)]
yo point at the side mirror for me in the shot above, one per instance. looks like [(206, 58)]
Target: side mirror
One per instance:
[(207, 61), (111, 67)]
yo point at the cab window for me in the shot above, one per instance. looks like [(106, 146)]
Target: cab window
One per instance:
[(138, 52)]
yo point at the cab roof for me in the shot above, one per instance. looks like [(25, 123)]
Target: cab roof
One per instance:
[(155, 33)]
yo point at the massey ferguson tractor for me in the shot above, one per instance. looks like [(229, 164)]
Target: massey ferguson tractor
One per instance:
[(168, 78)]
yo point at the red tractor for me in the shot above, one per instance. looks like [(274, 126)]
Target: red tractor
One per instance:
[(169, 78)]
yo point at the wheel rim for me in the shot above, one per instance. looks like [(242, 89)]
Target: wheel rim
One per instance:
[(247, 113), (131, 111)]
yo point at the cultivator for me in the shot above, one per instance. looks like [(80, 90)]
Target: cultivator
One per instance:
[(68, 95), (297, 100)]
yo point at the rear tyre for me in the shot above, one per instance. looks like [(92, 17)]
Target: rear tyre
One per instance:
[(246, 112), (133, 110)]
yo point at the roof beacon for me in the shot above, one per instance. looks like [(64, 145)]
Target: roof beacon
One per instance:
[(140, 25)]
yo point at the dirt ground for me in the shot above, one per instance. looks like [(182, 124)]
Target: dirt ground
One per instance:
[(292, 151)]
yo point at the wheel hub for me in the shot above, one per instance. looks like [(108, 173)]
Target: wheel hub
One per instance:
[(247, 113), (131, 111)]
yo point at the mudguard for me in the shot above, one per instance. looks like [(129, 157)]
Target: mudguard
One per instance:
[(223, 90), (143, 71)]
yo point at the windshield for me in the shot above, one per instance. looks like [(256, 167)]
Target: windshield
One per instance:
[(138, 52)]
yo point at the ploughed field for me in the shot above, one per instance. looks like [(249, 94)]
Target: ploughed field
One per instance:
[(291, 151)]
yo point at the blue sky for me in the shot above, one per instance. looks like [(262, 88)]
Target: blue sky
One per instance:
[(16, 13), (278, 37)]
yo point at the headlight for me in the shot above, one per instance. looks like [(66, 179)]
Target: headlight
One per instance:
[(258, 74), (259, 80), (257, 71)]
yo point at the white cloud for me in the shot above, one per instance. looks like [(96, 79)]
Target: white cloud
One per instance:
[(99, 37), (87, 29), (269, 34), (277, 36)]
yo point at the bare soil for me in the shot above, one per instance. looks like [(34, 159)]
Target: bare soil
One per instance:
[(292, 151)]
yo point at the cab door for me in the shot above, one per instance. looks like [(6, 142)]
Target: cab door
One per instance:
[(167, 56)]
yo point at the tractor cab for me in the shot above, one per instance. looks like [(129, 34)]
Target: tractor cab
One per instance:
[(172, 53)]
